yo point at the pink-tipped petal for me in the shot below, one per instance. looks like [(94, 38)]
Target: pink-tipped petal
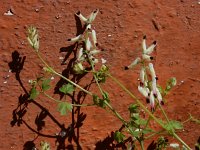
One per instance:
[(152, 100), (159, 96)]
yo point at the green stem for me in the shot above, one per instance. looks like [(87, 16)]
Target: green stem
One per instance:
[(153, 134), (109, 106), (142, 144), (179, 139), (165, 115), (60, 75)]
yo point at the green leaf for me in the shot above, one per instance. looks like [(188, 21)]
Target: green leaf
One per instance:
[(119, 137), (106, 96), (63, 107), (136, 133), (133, 108), (67, 88), (170, 84), (45, 84), (176, 124), (95, 99), (33, 93), (141, 121), (147, 130), (173, 124)]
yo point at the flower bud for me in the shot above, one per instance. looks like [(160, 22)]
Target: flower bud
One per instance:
[(33, 38), (81, 17), (76, 39), (144, 47), (150, 49), (143, 91), (134, 63), (92, 16)]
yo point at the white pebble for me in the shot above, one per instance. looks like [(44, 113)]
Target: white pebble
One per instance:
[(8, 13), (109, 35), (61, 58), (174, 145), (52, 78), (5, 82), (103, 60)]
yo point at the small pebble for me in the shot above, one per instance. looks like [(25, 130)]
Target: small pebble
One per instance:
[(8, 13), (37, 10), (61, 58), (109, 35), (5, 82), (52, 78), (103, 60)]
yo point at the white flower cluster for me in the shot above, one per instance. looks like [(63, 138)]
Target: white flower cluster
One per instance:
[(89, 49), (33, 38), (148, 88)]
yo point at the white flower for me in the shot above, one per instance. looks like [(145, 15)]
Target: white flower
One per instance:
[(159, 96), (94, 52), (154, 87), (88, 44), (94, 38), (144, 91), (92, 16), (152, 100), (82, 18), (89, 19), (80, 54), (142, 75), (152, 71), (76, 39), (148, 50), (134, 63)]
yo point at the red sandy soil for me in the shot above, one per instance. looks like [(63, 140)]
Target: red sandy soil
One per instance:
[(120, 26)]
